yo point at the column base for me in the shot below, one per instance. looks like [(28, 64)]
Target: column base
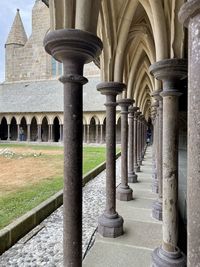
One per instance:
[(137, 168), (110, 225), (155, 186), (140, 162), (124, 193), (132, 177), (157, 210), (162, 258)]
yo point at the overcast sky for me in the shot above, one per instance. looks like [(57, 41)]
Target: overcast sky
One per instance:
[(8, 12)]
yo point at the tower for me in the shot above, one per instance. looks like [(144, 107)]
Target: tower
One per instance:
[(17, 38)]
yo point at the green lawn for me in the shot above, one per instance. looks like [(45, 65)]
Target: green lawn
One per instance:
[(19, 200)]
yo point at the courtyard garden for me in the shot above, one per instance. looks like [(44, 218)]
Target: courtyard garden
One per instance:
[(32, 173)]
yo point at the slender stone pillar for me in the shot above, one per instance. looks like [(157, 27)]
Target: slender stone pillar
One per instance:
[(18, 132), (132, 176), (50, 139), (88, 133), (124, 192), (170, 71), (157, 205), (110, 224), (101, 132), (190, 16), (73, 48), (143, 141), (155, 140), (8, 132), (61, 133), (141, 118), (97, 133), (28, 132), (137, 165), (39, 139), (84, 133)]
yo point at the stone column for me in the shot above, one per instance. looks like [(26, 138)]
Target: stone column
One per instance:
[(132, 176), (137, 165), (170, 71), (28, 132), (39, 139), (8, 132), (84, 133), (73, 48), (157, 205), (110, 224), (143, 145), (18, 132), (124, 192), (190, 16), (50, 139), (97, 133), (101, 131), (88, 133), (141, 118), (155, 140), (61, 132)]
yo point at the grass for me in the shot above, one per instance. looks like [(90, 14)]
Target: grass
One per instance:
[(16, 201)]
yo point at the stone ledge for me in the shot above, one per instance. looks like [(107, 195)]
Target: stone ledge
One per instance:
[(10, 234)]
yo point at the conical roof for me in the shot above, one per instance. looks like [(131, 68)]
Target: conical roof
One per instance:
[(17, 33)]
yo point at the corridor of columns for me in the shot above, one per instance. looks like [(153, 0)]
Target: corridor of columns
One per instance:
[(153, 216), (142, 233), (143, 67)]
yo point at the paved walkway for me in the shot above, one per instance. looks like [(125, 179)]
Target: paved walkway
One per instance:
[(43, 245), (141, 232)]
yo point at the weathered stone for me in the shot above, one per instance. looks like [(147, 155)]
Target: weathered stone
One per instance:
[(170, 71), (73, 48), (110, 224), (132, 176), (190, 16), (124, 192)]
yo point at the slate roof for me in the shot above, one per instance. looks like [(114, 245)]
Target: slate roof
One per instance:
[(45, 96)]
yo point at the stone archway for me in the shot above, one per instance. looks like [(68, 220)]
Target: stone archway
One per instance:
[(56, 130), (13, 129), (118, 131), (3, 129), (23, 125), (92, 130), (45, 130), (34, 129)]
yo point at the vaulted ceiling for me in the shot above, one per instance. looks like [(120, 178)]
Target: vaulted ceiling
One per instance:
[(135, 34)]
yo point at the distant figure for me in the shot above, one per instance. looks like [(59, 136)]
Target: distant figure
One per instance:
[(148, 137), (21, 134)]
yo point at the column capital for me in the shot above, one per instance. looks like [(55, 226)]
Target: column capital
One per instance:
[(169, 69), (170, 72), (132, 110), (72, 44), (188, 11), (111, 88), (124, 104)]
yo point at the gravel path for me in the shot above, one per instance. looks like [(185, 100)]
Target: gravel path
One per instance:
[(43, 245)]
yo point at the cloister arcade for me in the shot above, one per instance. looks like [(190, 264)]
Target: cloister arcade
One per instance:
[(49, 127), (148, 52), (144, 49)]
